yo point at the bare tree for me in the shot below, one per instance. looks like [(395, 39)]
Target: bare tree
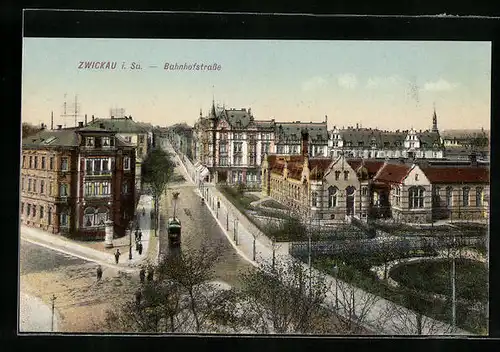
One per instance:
[(277, 299)]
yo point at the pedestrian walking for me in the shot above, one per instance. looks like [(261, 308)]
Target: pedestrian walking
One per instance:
[(99, 273), (139, 248), (150, 274), (139, 236), (136, 234), (138, 297), (117, 256), (142, 275), (143, 211)]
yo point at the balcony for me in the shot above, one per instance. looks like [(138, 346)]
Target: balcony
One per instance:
[(99, 173)]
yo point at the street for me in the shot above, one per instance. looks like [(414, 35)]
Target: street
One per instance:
[(80, 302), (199, 228)]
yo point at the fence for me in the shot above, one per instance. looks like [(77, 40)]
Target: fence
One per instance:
[(368, 246)]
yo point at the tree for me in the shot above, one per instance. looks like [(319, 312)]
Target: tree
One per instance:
[(28, 129), (157, 170), (182, 297), (276, 299)]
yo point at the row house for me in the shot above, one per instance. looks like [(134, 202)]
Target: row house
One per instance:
[(459, 144), (74, 180), (356, 142), (138, 134)]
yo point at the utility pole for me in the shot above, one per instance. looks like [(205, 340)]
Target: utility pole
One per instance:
[(53, 299)]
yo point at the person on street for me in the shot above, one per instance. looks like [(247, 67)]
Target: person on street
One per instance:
[(99, 273), (143, 211), (139, 235), (142, 275), (150, 273), (138, 297), (117, 256), (139, 248)]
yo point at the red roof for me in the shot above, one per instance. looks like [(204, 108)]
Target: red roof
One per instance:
[(393, 173), (373, 166), (354, 163), (318, 167), (462, 174)]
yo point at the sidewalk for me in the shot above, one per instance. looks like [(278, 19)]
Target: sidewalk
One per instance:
[(242, 234), (95, 251)]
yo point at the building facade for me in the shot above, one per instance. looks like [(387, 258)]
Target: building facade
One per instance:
[(73, 180)]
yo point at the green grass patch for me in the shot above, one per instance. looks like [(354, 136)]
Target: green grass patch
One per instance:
[(270, 203)]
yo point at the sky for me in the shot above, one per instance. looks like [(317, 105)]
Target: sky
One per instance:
[(378, 84)]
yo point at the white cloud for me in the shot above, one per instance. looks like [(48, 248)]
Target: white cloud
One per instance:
[(313, 83), (383, 82), (347, 80), (440, 85)]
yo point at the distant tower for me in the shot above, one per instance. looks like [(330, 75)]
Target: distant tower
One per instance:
[(434, 121)]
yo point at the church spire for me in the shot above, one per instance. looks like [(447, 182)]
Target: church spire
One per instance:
[(434, 120)]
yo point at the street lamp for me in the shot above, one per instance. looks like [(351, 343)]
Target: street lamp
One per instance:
[(235, 231), (130, 240), (53, 299), (335, 273)]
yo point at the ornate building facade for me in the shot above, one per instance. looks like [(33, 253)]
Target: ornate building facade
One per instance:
[(73, 180)]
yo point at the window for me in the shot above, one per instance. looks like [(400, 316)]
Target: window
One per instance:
[(42, 186), (346, 175), (97, 188), (332, 197), (125, 188), (22, 183), (479, 196), (50, 189), (36, 162), (29, 185), (449, 196), (397, 195), (22, 207), (89, 163), (416, 197), (28, 209), (416, 177), (364, 191), (465, 196), (43, 162), (34, 185), (337, 175), (89, 142), (141, 139), (314, 199), (105, 141), (64, 164), (126, 163), (49, 216), (24, 161), (31, 162), (63, 190), (34, 210), (51, 163), (105, 166), (139, 150), (41, 211), (63, 219), (436, 195)]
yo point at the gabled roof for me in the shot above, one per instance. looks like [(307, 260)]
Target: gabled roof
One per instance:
[(429, 138), (457, 174), (237, 119), (464, 134), (318, 167), (365, 137), (393, 173)]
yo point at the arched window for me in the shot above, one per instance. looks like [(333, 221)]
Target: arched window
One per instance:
[(332, 196), (101, 216), (479, 196), (416, 197)]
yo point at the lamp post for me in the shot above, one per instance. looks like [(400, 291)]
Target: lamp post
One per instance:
[(336, 272), (53, 299), (130, 241)]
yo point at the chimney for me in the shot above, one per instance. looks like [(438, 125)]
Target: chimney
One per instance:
[(59, 127), (42, 126), (85, 119), (101, 125), (305, 143), (130, 117), (80, 124), (92, 118), (357, 126), (112, 117)]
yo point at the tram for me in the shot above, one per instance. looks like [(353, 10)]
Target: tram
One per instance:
[(174, 232)]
